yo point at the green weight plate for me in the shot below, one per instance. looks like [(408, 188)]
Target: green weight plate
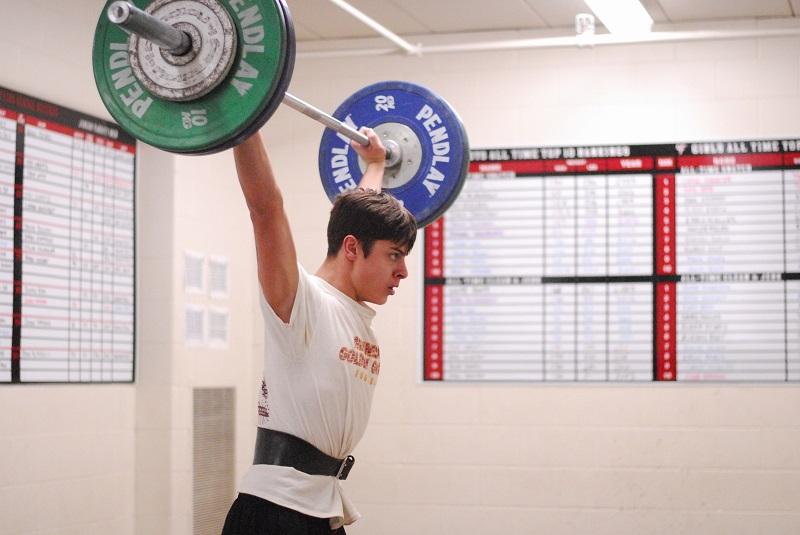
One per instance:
[(274, 103), (256, 82)]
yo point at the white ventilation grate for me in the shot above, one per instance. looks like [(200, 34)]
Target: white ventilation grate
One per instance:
[(213, 458)]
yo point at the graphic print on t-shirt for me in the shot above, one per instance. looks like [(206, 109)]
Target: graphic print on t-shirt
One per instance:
[(365, 357), (263, 402)]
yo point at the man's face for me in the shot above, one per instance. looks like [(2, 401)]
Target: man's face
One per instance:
[(378, 275)]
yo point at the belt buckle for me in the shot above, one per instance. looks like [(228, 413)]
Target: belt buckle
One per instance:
[(345, 467)]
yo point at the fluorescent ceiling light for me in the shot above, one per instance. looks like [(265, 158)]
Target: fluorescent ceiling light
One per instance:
[(621, 16)]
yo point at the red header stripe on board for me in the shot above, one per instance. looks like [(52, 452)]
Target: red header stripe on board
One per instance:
[(634, 163), (532, 167), (80, 134), (755, 160), (644, 163), (791, 159), (521, 167), (666, 162), (575, 165), (8, 114)]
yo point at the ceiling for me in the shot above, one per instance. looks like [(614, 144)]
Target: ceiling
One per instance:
[(318, 22)]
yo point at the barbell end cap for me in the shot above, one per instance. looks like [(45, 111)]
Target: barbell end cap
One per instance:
[(122, 13), (393, 152), (119, 12), (184, 47)]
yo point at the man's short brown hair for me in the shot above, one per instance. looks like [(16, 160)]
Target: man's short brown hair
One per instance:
[(369, 216)]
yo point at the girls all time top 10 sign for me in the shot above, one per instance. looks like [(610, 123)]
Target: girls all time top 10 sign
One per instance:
[(676, 262)]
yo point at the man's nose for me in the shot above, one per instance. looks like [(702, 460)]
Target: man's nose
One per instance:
[(402, 271)]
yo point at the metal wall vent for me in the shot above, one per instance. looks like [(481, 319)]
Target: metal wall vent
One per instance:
[(213, 458)]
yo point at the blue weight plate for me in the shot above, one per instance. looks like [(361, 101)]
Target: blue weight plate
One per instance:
[(441, 161)]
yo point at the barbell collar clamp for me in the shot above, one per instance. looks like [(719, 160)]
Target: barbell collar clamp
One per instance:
[(134, 20)]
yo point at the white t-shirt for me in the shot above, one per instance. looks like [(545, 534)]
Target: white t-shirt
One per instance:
[(320, 372)]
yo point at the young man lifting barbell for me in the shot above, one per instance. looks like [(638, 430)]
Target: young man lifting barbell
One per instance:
[(181, 91), (322, 359)]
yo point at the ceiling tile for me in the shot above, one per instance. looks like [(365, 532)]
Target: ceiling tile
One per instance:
[(301, 33), (558, 13), (691, 10), (395, 15), (452, 16), (561, 13), (653, 7), (323, 19)]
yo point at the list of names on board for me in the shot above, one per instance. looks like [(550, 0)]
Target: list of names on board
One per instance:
[(67, 256), (619, 263)]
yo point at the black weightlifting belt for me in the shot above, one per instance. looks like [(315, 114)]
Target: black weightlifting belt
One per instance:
[(283, 449)]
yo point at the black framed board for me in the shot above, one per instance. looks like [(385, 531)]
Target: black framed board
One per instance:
[(67, 242), (669, 262)]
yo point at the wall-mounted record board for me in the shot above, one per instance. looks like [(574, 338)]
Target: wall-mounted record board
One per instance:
[(67, 242), (674, 262)]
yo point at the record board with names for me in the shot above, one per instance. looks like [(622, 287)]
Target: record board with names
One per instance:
[(67, 303), (669, 262)]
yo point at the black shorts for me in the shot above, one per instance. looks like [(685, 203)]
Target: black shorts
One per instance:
[(250, 515)]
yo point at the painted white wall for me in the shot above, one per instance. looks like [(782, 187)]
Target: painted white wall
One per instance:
[(75, 458), (526, 458), (568, 459)]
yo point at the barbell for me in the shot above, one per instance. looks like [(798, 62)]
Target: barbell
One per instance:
[(201, 76)]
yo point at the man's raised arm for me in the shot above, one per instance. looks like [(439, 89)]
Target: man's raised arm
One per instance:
[(275, 250), (375, 157)]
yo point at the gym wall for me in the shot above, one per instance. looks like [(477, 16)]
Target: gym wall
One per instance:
[(516, 459), (69, 451), (566, 459)]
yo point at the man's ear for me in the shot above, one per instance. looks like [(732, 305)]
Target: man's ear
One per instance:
[(350, 247)]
